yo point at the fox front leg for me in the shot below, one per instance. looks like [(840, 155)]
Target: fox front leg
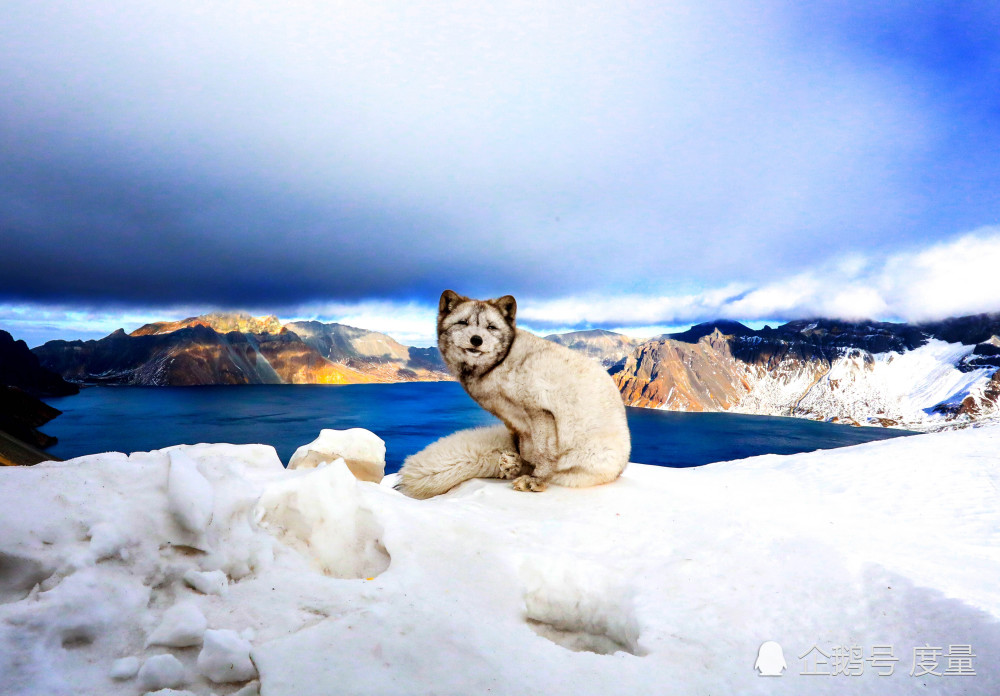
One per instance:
[(511, 465), (539, 448)]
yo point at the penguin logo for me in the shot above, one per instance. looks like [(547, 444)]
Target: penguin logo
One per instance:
[(770, 659)]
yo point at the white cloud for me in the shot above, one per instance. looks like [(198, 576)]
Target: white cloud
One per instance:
[(951, 278), (409, 323)]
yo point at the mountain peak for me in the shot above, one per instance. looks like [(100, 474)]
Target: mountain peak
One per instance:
[(726, 327), (221, 322)]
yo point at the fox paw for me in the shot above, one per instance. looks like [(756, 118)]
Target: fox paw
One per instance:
[(510, 465), (529, 483)]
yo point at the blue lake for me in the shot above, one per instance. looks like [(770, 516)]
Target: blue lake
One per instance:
[(407, 416)]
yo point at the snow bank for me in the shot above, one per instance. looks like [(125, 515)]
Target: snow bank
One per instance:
[(666, 581)]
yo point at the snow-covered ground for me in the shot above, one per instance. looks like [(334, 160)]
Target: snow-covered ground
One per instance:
[(212, 569)]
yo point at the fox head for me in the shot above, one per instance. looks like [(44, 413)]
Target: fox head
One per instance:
[(474, 336)]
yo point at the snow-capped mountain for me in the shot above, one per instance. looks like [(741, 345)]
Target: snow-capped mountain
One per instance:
[(917, 376)]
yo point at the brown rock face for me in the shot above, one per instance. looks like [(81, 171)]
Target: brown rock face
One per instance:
[(298, 363), (988, 401), (679, 376)]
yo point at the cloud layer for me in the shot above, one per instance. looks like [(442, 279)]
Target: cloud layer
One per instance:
[(250, 154), (949, 278)]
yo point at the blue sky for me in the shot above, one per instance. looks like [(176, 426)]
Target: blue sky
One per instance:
[(632, 166)]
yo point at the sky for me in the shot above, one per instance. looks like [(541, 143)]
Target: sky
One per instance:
[(637, 166)]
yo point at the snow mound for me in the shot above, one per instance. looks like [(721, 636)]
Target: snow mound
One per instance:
[(323, 514), (362, 450), (312, 583)]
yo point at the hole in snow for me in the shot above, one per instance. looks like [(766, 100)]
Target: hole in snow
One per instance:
[(186, 551), (580, 640), (77, 637), (580, 607), (18, 574)]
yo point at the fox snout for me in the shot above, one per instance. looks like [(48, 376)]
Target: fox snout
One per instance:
[(476, 341)]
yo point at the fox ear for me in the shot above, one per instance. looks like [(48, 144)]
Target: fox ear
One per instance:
[(507, 306), (449, 300)]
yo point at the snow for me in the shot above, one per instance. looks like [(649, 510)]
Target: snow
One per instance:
[(182, 625), (211, 582), (189, 494), (864, 387), (160, 672), (125, 668), (363, 451), (225, 657), (666, 581), (324, 514)]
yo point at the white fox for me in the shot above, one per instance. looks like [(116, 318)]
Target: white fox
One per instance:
[(564, 420)]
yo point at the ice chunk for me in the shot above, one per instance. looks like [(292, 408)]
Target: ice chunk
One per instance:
[(213, 582), (161, 671), (362, 450), (323, 515), (125, 668), (182, 625), (225, 657), (189, 494)]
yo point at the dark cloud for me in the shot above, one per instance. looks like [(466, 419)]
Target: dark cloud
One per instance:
[(153, 154)]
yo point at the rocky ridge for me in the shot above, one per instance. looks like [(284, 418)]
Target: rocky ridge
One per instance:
[(208, 350), (607, 347)]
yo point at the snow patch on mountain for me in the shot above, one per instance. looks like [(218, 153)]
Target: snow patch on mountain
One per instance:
[(885, 388)]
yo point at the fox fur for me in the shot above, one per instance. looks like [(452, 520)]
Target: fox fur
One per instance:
[(564, 420)]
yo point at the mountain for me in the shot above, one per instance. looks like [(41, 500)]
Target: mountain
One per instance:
[(369, 351), (877, 373), (21, 368), (22, 381), (935, 374), (698, 331), (240, 349), (607, 347)]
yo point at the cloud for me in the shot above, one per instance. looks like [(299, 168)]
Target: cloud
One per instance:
[(949, 278), (232, 154), (952, 277)]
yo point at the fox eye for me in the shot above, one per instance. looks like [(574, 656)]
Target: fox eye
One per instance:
[(491, 327), (461, 322)]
